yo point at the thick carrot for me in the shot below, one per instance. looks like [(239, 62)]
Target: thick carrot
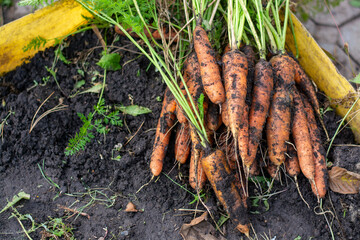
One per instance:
[(321, 172), (222, 180), (302, 138), (278, 125), (263, 86), (292, 163), (250, 56), (235, 68), (153, 32), (213, 117), (197, 177), (284, 70), (162, 136), (182, 143), (210, 72)]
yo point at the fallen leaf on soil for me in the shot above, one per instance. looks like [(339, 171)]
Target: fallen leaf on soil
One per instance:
[(344, 181), (198, 229), (94, 89), (134, 110), (130, 207)]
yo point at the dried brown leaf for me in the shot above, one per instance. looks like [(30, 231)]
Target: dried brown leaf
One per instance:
[(344, 181), (199, 229)]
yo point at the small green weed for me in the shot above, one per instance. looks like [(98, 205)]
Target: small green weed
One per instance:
[(96, 120)]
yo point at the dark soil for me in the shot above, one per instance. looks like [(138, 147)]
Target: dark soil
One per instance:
[(102, 187)]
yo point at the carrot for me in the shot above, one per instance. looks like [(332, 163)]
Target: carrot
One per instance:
[(321, 173), (226, 144), (223, 183), (278, 125), (284, 70), (224, 114), (254, 169), (235, 70), (302, 138), (250, 56), (273, 170), (210, 72), (155, 33), (213, 117), (182, 143), (243, 138), (197, 177), (263, 86), (162, 136), (305, 84), (292, 163), (179, 111)]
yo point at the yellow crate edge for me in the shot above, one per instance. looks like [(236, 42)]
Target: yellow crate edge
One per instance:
[(51, 22)]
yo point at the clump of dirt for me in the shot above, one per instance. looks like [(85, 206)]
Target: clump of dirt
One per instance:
[(113, 169)]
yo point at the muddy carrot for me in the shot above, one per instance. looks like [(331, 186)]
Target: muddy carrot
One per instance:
[(222, 180), (292, 163), (179, 111), (321, 173), (213, 117), (273, 170), (162, 136), (182, 143), (210, 72), (302, 138), (263, 86), (243, 138), (224, 114), (278, 125), (197, 177), (235, 70)]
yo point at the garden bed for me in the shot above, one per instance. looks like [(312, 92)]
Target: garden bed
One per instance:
[(102, 184)]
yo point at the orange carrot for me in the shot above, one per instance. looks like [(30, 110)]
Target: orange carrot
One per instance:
[(273, 170), (222, 180), (243, 138), (182, 143), (224, 114), (283, 70), (179, 111), (321, 173), (210, 72), (292, 163), (234, 73), (263, 86), (197, 177), (302, 138), (278, 125), (213, 117), (162, 136), (226, 144)]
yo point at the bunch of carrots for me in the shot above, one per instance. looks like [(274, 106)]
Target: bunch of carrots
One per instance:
[(241, 96)]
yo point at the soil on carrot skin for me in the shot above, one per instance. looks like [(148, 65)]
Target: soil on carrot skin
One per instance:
[(101, 184)]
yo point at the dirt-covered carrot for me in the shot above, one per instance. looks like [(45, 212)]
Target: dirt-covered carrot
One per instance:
[(213, 117), (224, 114), (179, 112), (162, 136), (292, 163), (263, 86), (155, 33), (210, 72), (235, 70), (222, 180), (250, 56), (243, 138), (302, 138), (197, 177), (254, 168), (273, 170), (284, 70), (226, 144), (321, 173), (182, 143), (278, 125)]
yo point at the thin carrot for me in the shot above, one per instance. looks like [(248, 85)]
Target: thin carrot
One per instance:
[(182, 143), (273, 170), (321, 172), (179, 112), (254, 169), (210, 72), (162, 136), (226, 144), (224, 114), (243, 138), (222, 180), (302, 138), (263, 86)]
